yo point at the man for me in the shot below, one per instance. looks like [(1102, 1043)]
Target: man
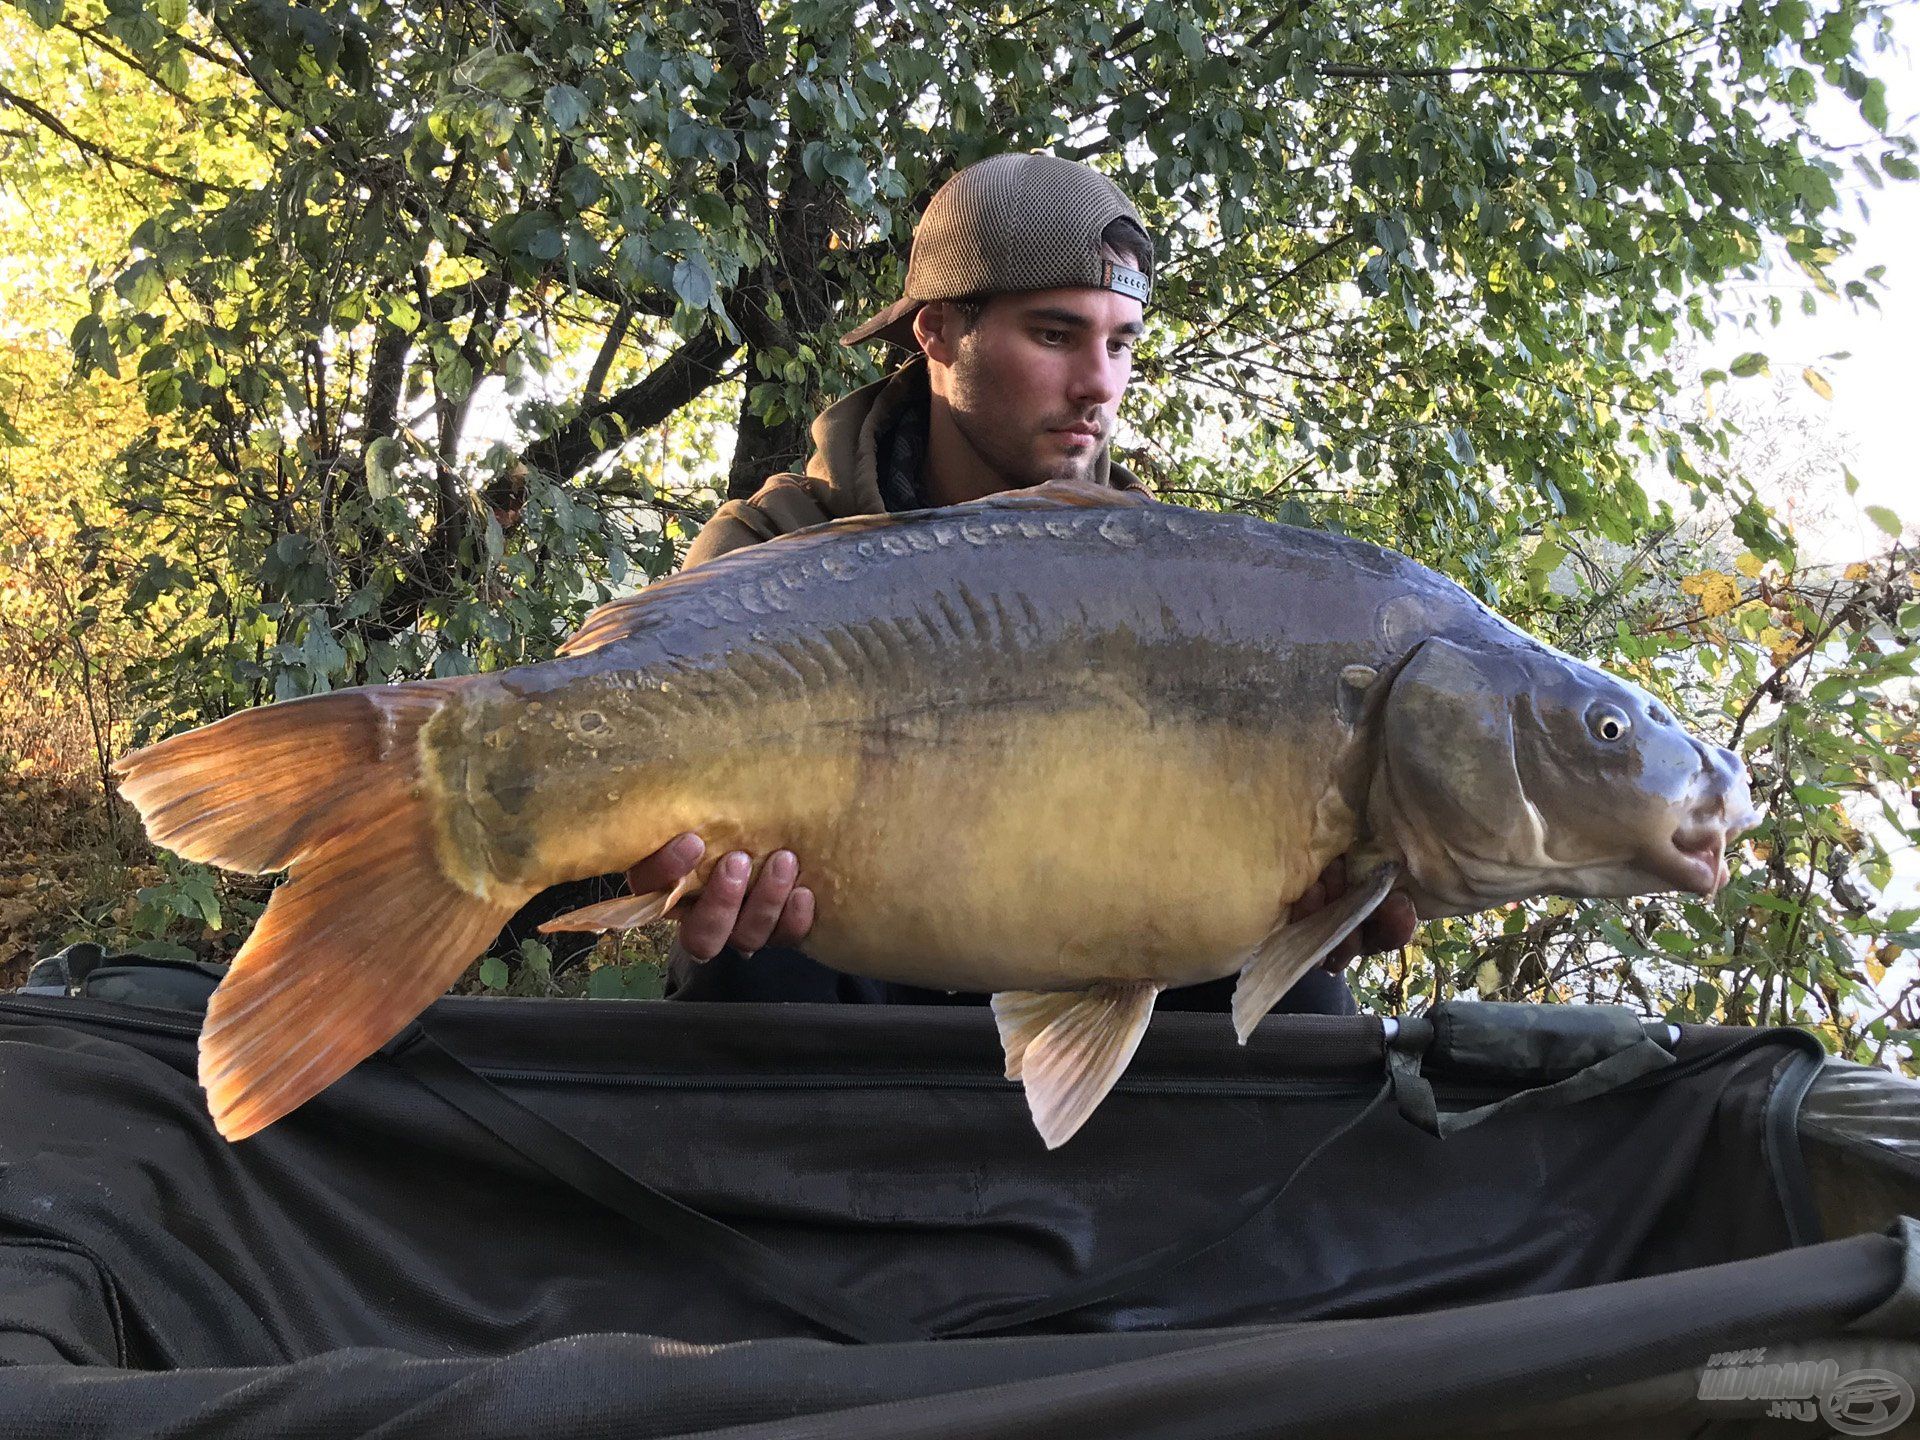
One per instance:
[(1026, 291)]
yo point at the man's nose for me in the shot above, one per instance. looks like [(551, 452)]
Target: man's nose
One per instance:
[(1098, 377)]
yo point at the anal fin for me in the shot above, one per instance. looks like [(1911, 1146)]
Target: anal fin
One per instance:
[(1294, 947), (628, 912), (1069, 1048)]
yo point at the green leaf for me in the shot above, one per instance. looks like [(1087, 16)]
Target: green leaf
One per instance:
[(1873, 105), (566, 106), (693, 282), (686, 140), (1885, 519), (92, 347), (382, 455), (1546, 557), (493, 973), (140, 284), (510, 76), (400, 312), (1750, 364)]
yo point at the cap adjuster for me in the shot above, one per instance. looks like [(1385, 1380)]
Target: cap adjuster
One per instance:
[(1123, 280)]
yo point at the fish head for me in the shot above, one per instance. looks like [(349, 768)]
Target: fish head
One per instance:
[(1512, 770)]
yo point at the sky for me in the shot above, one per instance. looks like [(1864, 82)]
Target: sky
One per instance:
[(1876, 390)]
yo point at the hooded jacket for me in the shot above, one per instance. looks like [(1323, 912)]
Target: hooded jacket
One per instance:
[(867, 451)]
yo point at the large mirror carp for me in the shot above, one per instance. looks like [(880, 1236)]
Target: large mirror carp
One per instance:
[(1063, 745)]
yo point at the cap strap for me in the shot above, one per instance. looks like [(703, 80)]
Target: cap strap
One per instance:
[(1123, 280)]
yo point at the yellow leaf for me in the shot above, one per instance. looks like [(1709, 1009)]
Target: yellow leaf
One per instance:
[(1718, 592), (1857, 571), (1817, 383), (1750, 565), (1876, 972), (1487, 978)]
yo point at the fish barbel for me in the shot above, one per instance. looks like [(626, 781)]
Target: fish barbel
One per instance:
[(1066, 746)]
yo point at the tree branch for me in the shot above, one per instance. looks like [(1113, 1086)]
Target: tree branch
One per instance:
[(1436, 72), (683, 375), (101, 152), (603, 362)]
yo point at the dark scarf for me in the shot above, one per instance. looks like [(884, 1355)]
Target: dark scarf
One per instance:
[(901, 451)]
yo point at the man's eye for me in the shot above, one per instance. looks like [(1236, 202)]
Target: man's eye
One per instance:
[(1051, 337), (1120, 347)]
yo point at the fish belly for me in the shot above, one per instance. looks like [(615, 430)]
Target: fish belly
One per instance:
[(1062, 850)]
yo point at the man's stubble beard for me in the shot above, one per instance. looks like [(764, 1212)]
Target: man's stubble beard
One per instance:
[(974, 404)]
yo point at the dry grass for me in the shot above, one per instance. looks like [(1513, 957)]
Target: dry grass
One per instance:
[(69, 866)]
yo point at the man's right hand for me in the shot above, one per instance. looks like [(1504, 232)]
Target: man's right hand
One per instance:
[(774, 911)]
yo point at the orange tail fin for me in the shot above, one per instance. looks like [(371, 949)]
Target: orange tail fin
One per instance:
[(366, 931)]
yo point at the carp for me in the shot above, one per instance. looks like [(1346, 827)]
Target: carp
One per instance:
[(1065, 746)]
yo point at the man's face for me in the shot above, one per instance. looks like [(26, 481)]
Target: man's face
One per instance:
[(1034, 384)]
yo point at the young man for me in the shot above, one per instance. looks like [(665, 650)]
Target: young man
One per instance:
[(1026, 290)]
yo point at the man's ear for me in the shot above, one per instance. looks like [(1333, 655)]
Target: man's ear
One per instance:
[(936, 325)]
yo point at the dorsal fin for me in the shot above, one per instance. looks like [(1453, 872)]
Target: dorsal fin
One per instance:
[(618, 619), (1064, 492)]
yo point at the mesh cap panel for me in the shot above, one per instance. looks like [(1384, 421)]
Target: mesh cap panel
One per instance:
[(1011, 223)]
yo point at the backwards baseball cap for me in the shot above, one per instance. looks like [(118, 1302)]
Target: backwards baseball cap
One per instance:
[(1011, 223)]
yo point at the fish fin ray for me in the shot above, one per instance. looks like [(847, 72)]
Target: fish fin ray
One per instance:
[(256, 790), (627, 912), (1069, 1064), (353, 945), (1022, 1014), (1295, 946)]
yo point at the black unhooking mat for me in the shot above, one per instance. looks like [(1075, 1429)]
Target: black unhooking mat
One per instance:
[(573, 1218)]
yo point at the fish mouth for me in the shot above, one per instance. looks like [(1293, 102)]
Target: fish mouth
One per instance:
[(1694, 858)]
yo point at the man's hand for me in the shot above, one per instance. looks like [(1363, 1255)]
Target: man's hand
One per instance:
[(1388, 928), (774, 912)]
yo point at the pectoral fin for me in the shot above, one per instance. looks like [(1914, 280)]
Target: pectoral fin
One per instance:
[(1069, 1048), (629, 912), (1296, 946)]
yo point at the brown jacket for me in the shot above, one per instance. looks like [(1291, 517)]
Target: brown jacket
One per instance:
[(842, 477)]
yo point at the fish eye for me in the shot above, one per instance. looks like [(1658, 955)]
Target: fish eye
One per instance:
[(1608, 722)]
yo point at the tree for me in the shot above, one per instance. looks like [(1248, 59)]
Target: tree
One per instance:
[(445, 289)]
